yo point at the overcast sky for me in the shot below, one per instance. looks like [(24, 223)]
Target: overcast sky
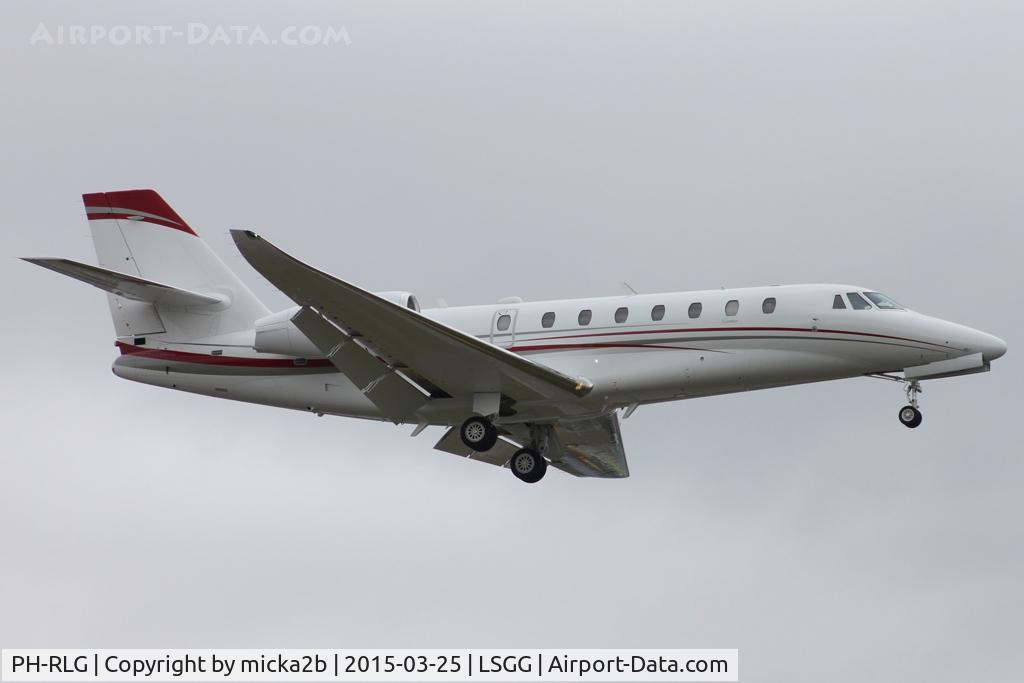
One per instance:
[(478, 150)]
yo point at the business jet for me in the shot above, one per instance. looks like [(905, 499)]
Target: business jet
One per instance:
[(516, 384)]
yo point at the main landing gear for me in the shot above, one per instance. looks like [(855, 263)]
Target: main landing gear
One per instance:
[(528, 465), (480, 434), (910, 415)]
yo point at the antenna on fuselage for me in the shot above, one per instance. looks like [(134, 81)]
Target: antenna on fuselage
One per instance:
[(629, 289)]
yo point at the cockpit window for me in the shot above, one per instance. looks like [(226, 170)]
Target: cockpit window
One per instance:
[(838, 302), (883, 302), (857, 301)]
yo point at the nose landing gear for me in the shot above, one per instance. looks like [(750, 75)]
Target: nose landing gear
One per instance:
[(910, 415)]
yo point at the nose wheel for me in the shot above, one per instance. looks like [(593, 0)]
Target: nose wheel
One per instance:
[(910, 415)]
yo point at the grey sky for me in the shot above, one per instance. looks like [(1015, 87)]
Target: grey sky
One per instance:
[(477, 150)]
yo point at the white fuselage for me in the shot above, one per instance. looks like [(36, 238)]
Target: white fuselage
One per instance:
[(654, 354)]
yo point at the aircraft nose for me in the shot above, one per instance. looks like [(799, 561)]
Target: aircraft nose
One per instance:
[(991, 347), (971, 341)]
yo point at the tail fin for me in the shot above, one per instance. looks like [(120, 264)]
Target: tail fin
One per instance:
[(137, 233)]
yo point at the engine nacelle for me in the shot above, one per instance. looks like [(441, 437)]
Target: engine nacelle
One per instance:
[(404, 299), (276, 333)]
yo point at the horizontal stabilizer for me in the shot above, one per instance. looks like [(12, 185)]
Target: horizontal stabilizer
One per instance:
[(128, 286)]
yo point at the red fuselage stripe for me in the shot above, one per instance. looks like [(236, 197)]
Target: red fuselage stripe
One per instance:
[(738, 329), (238, 361), (603, 345)]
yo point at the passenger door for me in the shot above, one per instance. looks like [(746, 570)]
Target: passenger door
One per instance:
[(503, 327)]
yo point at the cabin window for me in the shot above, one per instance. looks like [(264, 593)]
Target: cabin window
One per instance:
[(658, 312), (857, 301), (621, 314), (768, 305), (732, 307), (504, 322), (694, 311), (838, 302), (585, 316), (548, 319), (883, 302)]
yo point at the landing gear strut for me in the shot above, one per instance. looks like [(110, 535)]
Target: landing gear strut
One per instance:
[(910, 415), (478, 433), (528, 465)]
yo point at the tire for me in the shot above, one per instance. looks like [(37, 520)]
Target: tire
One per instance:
[(478, 433), (910, 416), (528, 465)]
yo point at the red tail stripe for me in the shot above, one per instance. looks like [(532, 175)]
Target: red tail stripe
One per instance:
[(141, 219), (143, 201)]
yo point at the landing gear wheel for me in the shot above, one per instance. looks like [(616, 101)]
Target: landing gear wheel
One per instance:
[(528, 465), (910, 416), (478, 433)]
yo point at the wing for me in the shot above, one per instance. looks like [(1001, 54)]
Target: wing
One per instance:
[(127, 286), (362, 330)]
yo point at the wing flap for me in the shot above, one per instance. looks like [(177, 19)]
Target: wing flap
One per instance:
[(500, 454), (356, 362), (127, 286), (395, 396), (588, 447)]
